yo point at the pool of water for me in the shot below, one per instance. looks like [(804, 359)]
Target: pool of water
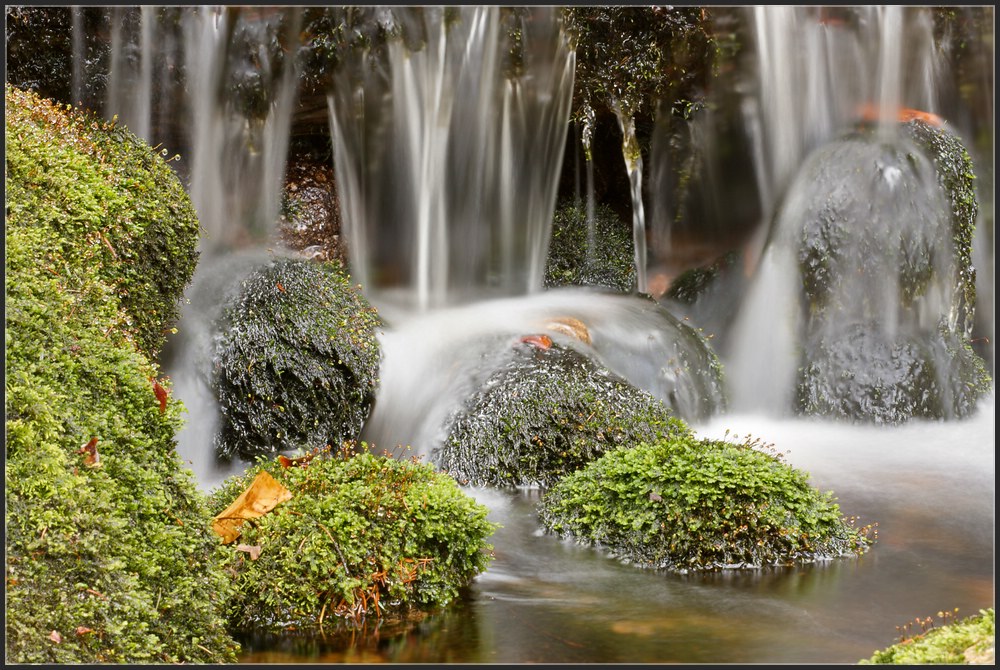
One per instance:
[(930, 487)]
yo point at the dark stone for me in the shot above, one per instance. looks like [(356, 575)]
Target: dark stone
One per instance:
[(296, 364)]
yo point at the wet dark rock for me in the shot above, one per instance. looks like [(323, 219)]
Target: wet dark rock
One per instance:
[(572, 262), (297, 362), (546, 412), (310, 212), (882, 234), (863, 375)]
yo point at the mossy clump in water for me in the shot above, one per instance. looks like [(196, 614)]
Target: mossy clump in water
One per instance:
[(546, 412), (109, 554), (970, 641), (571, 261), (111, 203), (296, 364), (681, 503), (361, 536)]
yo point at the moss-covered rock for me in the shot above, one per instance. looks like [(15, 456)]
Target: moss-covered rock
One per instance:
[(881, 232), (110, 201), (296, 363), (970, 641), (576, 260), (543, 413), (680, 503), (109, 555), (361, 536)]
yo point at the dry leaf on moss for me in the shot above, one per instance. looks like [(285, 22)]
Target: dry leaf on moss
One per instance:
[(263, 495)]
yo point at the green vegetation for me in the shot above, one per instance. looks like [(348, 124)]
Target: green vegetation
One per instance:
[(297, 362), (362, 535), (680, 504), (111, 203), (109, 554), (969, 641), (573, 262), (544, 413)]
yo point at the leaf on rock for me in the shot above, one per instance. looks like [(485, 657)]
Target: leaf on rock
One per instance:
[(540, 341), (263, 495), (90, 455), (161, 394)]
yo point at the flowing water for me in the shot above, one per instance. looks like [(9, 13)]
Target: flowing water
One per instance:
[(470, 154)]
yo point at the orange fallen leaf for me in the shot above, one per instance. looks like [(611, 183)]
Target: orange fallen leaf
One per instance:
[(55, 636), (280, 287), (89, 450), (540, 341), (285, 461), (263, 495), (252, 549), (161, 394), (83, 630), (871, 112), (567, 325)]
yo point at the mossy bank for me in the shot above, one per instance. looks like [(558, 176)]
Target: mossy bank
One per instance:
[(110, 558)]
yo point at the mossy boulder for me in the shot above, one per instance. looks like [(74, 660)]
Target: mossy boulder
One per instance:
[(881, 234), (296, 361), (574, 259), (970, 641), (361, 536), (544, 412), (679, 503), (110, 201), (109, 554)]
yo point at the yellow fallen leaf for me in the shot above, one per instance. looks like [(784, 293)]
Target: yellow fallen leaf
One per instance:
[(263, 495)]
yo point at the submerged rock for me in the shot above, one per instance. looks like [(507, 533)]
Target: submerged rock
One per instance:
[(297, 362), (545, 412)]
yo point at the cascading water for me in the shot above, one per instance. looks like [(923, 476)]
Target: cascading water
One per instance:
[(839, 74), (448, 160), (490, 179), (633, 165)]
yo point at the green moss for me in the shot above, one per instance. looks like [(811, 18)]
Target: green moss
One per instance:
[(544, 413), (954, 170), (572, 262), (111, 203), (362, 535), (297, 362), (964, 642), (680, 503), (111, 563)]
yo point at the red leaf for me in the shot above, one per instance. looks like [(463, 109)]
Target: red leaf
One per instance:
[(83, 630), (285, 461), (280, 287), (89, 450), (540, 341), (161, 394), (55, 636)]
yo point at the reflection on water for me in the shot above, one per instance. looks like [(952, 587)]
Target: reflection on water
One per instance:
[(929, 485)]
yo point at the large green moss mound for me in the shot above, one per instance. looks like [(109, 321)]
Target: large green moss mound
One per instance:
[(966, 642), (682, 503), (109, 201), (361, 536), (575, 259), (109, 554), (297, 361), (543, 413)]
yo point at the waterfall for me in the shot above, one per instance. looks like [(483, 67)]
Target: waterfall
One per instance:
[(633, 165), (817, 74), (448, 159)]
